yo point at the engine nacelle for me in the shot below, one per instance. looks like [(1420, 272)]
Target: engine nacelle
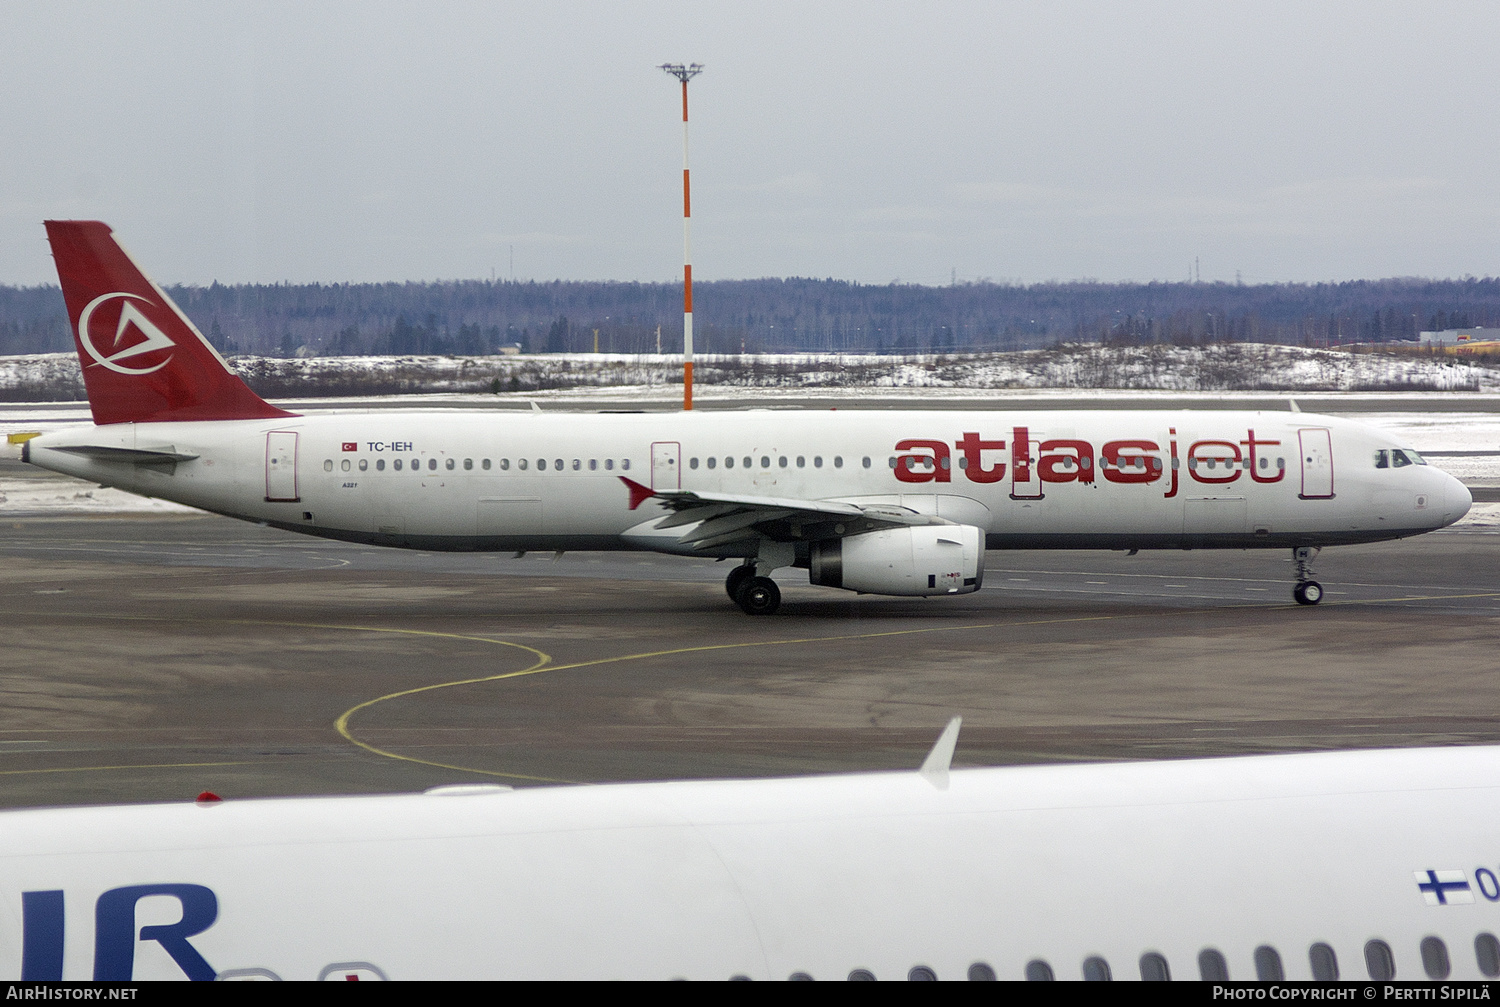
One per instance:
[(922, 560)]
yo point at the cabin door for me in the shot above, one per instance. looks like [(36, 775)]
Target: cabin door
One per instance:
[(1317, 464), (666, 465)]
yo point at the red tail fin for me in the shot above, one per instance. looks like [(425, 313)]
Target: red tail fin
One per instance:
[(142, 359)]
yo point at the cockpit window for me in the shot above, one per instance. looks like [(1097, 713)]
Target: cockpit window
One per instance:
[(1382, 459), (1399, 459)]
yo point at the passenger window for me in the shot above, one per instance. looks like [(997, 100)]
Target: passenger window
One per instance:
[(781, 461), (838, 461), (541, 464), (980, 972), (712, 462), (921, 974), (396, 464), (747, 461), (861, 976), (765, 461), (364, 464), (468, 464), (594, 464), (1399, 460), (817, 461), (1435, 958), (1382, 459), (432, 464), (558, 464), (1096, 970), (380, 465), (692, 463), (867, 461), (416, 463), (963, 462), (609, 464), (728, 463), (799, 977), (1038, 971), (486, 465), (892, 461), (1211, 965), (448, 464), (1264, 461), (801, 462), (344, 465), (625, 464), (1268, 964), (1487, 953), (1281, 463), (1325, 964), (1379, 961), (1154, 968), (328, 465)]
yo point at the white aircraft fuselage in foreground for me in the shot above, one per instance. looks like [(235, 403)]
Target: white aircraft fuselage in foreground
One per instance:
[(1373, 864), (895, 503)]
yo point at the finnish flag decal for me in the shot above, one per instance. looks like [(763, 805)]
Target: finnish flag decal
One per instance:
[(1444, 888)]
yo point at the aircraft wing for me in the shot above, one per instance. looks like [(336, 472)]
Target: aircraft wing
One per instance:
[(710, 520)]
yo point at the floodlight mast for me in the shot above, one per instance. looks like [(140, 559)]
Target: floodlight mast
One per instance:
[(686, 73)]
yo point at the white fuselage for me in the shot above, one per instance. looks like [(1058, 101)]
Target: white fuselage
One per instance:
[(823, 875), (507, 480)]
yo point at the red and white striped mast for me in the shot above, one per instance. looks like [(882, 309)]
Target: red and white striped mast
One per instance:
[(685, 74)]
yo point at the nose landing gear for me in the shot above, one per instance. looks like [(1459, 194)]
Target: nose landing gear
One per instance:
[(1307, 591)]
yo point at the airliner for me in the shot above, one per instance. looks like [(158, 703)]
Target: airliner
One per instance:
[(1379, 865), (885, 503)]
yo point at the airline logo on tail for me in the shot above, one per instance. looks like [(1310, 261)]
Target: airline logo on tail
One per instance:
[(143, 360), (130, 317)]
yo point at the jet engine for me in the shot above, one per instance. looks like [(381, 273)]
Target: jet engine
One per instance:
[(922, 560)]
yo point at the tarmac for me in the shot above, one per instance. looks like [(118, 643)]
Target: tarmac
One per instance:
[(149, 657)]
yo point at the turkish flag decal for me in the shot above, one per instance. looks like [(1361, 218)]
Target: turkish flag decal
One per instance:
[(351, 446)]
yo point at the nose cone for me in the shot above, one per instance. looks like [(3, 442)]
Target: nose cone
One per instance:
[(1456, 501)]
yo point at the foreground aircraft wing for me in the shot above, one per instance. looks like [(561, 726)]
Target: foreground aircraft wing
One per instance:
[(710, 520)]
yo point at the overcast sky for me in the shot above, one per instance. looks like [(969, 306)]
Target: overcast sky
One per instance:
[(865, 141)]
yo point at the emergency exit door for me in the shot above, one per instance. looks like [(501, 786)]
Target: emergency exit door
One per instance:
[(666, 465), (281, 467), (1317, 464)]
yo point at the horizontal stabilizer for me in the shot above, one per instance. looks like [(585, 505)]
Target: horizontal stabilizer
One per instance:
[(134, 456)]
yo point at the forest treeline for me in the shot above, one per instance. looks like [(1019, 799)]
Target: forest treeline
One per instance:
[(476, 317)]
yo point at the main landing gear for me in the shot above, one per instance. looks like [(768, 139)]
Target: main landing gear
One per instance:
[(754, 595), (1307, 591)]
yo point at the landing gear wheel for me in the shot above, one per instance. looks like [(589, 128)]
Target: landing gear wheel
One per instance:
[(759, 596), (736, 580), (1309, 592)]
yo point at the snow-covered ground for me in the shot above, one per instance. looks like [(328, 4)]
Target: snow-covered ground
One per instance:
[(1226, 367)]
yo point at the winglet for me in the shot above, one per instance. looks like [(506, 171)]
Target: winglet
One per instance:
[(935, 767), (638, 494)]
